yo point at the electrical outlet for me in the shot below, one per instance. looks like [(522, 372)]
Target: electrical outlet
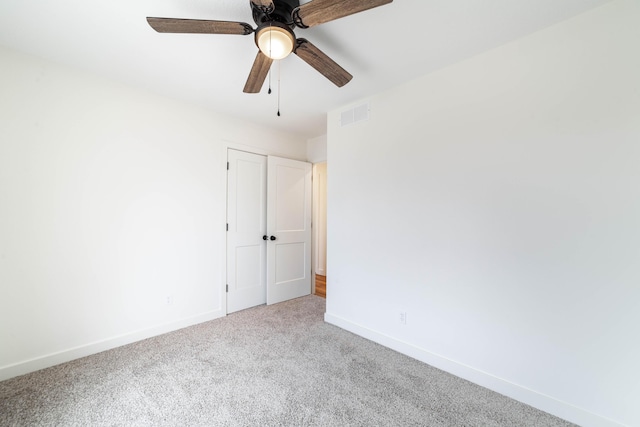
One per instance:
[(403, 317), (169, 300)]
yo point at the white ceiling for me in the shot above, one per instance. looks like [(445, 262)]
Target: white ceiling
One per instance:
[(381, 47)]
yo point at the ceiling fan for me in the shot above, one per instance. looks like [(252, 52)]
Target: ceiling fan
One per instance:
[(274, 36)]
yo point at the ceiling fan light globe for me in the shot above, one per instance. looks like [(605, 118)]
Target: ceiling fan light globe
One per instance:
[(275, 42)]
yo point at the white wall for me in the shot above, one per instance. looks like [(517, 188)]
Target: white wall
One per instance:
[(497, 203), (112, 200), (317, 154), (320, 219), (317, 149)]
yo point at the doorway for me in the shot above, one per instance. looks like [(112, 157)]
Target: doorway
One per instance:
[(320, 228)]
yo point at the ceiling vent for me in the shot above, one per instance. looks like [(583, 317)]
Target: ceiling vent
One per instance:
[(354, 115)]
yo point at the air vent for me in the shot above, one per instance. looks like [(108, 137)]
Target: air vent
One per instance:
[(354, 115)]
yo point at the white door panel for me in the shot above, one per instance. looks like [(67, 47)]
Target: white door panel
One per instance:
[(246, 218), (289, 221)]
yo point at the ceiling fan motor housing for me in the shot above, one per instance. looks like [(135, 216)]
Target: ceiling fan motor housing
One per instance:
[(283, 10)]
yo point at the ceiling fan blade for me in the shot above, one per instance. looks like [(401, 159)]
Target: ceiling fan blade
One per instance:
[(258, 73), (321, 62), (266, 6), (320, 11), (198, 26)]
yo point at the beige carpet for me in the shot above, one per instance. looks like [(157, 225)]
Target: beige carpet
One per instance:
[(267, 366)]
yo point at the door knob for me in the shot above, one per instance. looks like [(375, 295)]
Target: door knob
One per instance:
[(264, 237), (272, 238)]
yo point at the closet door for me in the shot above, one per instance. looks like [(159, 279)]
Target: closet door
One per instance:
[(289, 229), (269, 230), (247, 224)]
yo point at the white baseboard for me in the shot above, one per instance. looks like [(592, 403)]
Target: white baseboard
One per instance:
[(53, 359), (530, 397)]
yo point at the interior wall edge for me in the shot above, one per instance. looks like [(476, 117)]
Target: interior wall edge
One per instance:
[(53, 359), (514, 391)]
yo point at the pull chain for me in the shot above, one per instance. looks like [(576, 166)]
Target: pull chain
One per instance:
[(279, 88), (269, 92)]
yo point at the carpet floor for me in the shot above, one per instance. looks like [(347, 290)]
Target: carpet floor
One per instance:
[(279, 365)]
